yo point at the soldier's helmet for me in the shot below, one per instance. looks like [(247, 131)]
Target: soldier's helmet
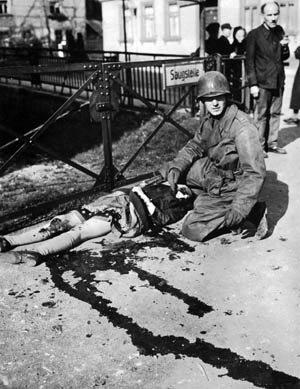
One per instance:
[(212, 84)]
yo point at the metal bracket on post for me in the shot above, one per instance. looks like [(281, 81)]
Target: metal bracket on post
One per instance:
[(104, 107)]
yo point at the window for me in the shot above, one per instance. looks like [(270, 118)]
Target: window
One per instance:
[(58, 36), (148, 26), (173, 21), (252, 18), (288, 17), (128, 23), (3, 7), (54, 7), (93, 9)]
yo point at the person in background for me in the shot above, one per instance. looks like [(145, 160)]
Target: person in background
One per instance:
[(71, 46), (223, 165), (224, 46), (238, 46), (80, 54), (211, 43), (295, 97), (126, 213), (267, 49), (34, 51)]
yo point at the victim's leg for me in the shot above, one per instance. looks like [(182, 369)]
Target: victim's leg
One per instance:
[(92, 228), (56, 226)]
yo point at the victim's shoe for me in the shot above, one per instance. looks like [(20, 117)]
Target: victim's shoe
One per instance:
[(30, 258), (4, 245), (262, 228)]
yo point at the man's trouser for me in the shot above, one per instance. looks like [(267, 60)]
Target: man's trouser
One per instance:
[(267, 115), (214, 198), (207, 216)]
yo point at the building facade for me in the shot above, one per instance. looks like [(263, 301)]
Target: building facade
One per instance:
[(150, 26), (173, 26), (49, 20)]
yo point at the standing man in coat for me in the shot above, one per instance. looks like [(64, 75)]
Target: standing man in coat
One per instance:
[(224, 46), (223, 164), (267, 48)]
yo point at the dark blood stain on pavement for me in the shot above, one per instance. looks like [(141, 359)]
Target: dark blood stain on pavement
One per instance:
[(122, 257)]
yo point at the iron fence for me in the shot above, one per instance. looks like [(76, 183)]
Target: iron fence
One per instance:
[(52, 70), (45, 56)]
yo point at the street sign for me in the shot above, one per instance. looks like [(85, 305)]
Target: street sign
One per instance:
[(182, 73)]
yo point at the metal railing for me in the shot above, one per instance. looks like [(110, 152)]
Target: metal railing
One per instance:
[(52, 73), (235, 72), (45, 56), (144, 77)]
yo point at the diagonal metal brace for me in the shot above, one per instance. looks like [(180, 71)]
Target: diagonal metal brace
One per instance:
[(30, 140), (51, 153), (154, 110), (165, 118), (18, 136)]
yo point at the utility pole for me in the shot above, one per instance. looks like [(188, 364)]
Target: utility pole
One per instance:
[(47, 22), (202, 27), (124, 30)]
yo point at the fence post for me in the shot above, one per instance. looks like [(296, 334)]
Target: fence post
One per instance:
[(129, 83), (104, 107), (101, 110), (219, 62), (193, 102)]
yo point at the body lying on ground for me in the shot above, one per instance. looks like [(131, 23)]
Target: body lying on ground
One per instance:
[(125, 213)]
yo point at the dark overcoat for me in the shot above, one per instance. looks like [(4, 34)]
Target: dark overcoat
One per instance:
[(295, 98), (265, 56)]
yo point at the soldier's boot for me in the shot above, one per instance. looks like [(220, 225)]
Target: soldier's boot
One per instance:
[(258, 217)]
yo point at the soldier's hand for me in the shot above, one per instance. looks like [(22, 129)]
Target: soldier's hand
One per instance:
[(233, 218), (173, 178), (254, 90)]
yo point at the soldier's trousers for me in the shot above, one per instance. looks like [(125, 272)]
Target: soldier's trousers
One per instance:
[(214, 197)]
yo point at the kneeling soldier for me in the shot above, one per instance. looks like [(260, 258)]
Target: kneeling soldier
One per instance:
[(223, 164)]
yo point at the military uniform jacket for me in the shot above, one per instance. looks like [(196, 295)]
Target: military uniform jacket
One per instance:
[(265, 56), (234, 158)]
